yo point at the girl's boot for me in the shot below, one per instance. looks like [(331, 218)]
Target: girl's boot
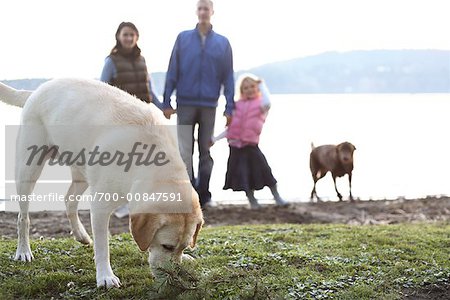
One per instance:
[(279, 201), (253, 201)]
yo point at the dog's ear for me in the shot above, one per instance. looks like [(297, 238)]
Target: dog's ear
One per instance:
[(197, 211), (143, 228), (194, 238), (337, 149)]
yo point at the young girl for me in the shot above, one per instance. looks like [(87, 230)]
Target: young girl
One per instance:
[(248, 169)]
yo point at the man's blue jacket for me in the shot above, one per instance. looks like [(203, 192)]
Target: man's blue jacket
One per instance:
[(198, 70)]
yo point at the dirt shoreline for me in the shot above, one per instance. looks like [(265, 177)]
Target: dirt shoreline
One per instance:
[(430, 209)]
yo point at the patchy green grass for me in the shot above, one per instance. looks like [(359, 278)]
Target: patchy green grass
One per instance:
[(247, 262)]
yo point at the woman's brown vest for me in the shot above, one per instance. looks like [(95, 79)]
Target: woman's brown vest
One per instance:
[(132, 76)]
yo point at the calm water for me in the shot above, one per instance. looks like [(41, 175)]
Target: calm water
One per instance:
[(402, 144)]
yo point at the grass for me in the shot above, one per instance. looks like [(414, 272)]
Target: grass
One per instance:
[(247, 262)]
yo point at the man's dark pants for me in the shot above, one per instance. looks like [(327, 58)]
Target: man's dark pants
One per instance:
[(205, 118)]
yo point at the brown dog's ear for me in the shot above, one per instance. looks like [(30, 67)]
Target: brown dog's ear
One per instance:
[(143, 228), (194, 238)]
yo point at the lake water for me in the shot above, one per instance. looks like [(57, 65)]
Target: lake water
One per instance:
[(402, 142)]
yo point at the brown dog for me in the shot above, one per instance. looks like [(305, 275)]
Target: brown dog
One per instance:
[(338, 159)]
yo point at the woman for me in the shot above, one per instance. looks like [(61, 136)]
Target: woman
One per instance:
[(125, 67)]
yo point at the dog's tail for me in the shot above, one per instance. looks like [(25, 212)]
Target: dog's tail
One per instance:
[(12, 96), (312, 146)]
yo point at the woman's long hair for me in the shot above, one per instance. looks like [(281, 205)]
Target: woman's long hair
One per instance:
[(118, 47)]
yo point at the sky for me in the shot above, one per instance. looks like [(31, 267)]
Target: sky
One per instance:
[(71, 38)]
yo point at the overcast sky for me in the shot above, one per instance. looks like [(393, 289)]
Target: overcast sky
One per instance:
[(51, 38)]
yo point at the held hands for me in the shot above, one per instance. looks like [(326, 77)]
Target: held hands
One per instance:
[(168, 112), (222, 135), (229, 118)]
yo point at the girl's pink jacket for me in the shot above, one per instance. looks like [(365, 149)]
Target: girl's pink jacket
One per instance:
[(247, 123)]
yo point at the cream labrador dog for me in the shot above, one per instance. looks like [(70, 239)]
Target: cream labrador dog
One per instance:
[(77, 115)]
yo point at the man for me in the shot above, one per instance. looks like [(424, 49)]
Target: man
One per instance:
[(200, 64)]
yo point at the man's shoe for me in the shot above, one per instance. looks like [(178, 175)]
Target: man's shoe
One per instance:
[(122, 211), (209, 204)]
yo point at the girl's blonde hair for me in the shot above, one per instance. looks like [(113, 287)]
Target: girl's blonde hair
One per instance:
[(242, 78)]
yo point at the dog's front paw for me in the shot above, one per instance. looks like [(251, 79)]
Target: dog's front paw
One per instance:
[(108, 281), (24, 255), (83, 238), (187, 257)]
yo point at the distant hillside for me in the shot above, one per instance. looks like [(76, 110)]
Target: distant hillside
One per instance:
[(375, 71), (25, 84)]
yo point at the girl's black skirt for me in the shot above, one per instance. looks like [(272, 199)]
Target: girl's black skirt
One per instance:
[(248, 170)]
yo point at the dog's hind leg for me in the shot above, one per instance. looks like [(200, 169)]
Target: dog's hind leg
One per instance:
[(316, 175), (313, 192), (23, 251), (27, 173), (76, 189), (28, 176), (314, 170)]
